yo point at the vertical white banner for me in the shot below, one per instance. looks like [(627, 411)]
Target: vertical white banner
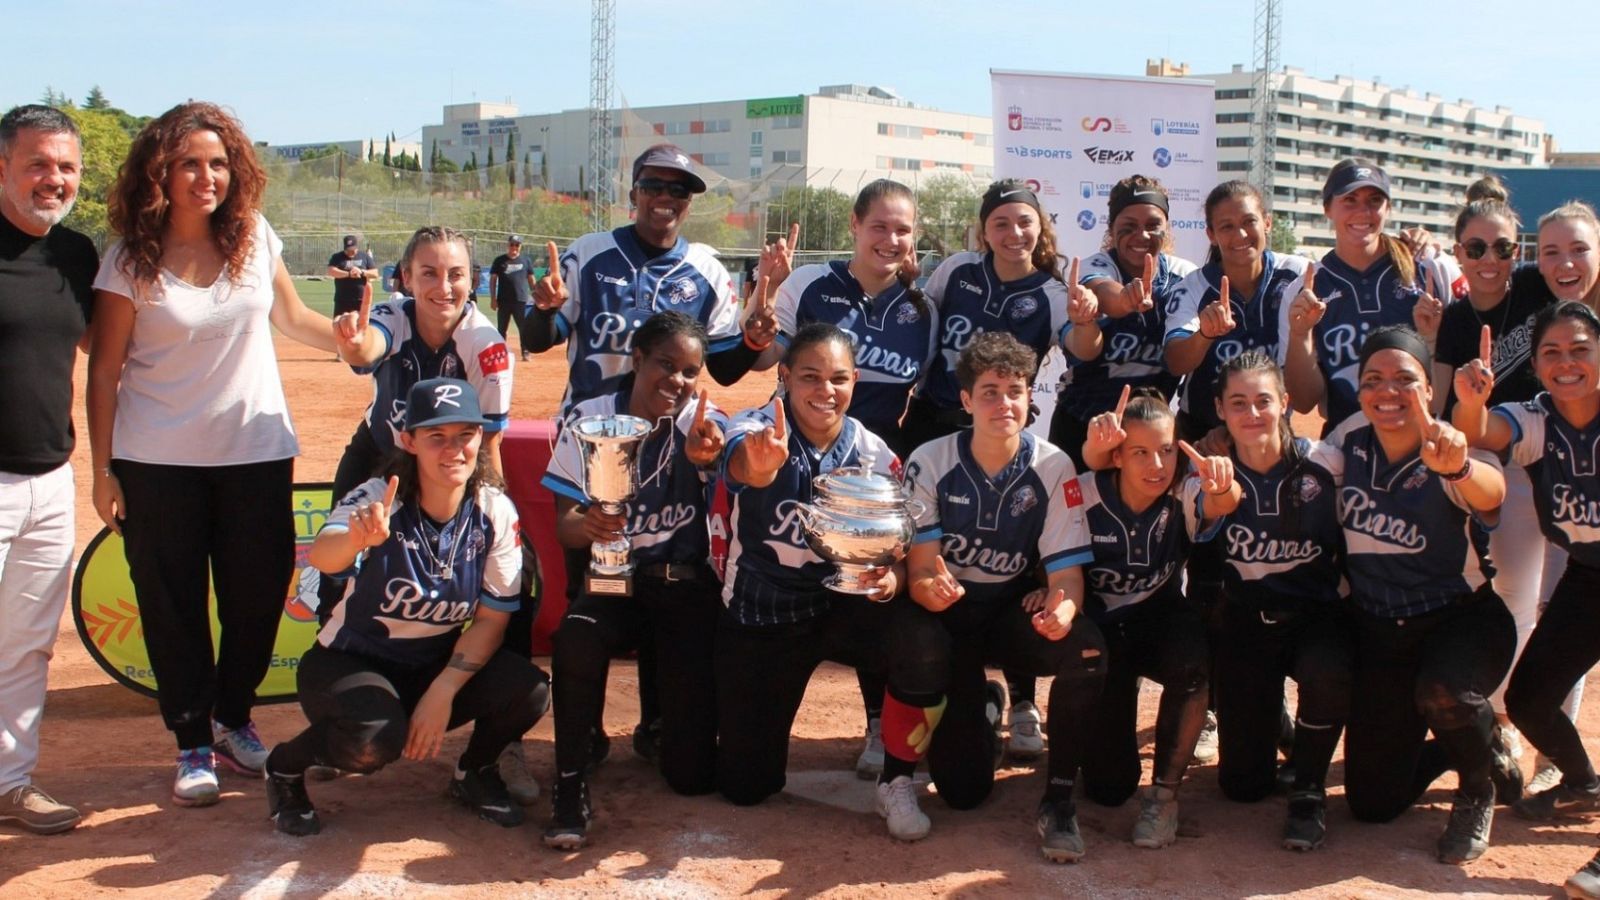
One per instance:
[(1071, 137)]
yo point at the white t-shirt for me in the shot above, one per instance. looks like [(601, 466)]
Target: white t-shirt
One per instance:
[(201, 386)]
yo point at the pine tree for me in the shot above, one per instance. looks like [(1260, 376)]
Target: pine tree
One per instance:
[(96, 99), (490, 164), (472, 164), (511, 159), (387, 159), (433, 157)]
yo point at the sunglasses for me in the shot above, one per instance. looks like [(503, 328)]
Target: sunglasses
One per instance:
[(677, 190), (1476, 248)]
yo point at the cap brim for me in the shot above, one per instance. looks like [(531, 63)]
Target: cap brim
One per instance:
[(1378, 186), (448, 420)]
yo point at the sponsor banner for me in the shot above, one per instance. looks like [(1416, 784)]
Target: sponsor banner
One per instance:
[(775, 106), (1071, 137), (106, 610)]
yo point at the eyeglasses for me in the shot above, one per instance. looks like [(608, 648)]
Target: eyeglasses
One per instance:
[(1476, 248), (677, 190)]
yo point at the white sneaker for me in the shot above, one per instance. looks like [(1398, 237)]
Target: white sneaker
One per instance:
[(897, 803), (240, 749), (1205, 750), (196, 781), (1026, 740), (1545, 776), (870, 763), (514, 772), (1157, 825)]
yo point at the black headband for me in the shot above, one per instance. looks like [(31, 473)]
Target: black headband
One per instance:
[(1143, 195), (1403, 339), (1001, 193)]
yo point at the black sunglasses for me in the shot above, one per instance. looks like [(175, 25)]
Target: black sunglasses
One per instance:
[(1476, 248), (677, 190)]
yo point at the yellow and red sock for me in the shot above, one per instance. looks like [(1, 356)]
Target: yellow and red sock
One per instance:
[(908, 729)]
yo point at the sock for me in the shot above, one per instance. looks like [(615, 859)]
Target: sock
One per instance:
[(908, 729)]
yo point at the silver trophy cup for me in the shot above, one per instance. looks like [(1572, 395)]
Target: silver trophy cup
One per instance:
[(858, 520), (610, 447)]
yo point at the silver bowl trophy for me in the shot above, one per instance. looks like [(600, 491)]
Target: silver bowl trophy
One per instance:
[(858, 520), (610, 447)]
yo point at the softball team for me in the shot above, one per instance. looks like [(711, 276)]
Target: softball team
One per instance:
[(1360, 565)]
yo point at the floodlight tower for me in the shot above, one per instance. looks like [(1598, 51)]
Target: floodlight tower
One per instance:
[(602, 66), (1264, 99)]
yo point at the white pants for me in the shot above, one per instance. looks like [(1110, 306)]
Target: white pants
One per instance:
[(36, 542), (1517, 547)]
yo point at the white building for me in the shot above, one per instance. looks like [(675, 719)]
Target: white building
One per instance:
[(1432, 148), (841, 137), (354, 149)]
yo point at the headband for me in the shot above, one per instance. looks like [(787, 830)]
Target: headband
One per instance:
[(1143, 195), (1003, 192), (1403, 339)]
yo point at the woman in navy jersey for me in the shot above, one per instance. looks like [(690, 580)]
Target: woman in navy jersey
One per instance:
[(1553, 436), (1432, 637), (1283, 611), (1498, 294), (673, 604), (873, 298), (1202, 332), (1143, 520), (998, 515), (780, 622), (1010, 286), (1134, 278), (1368, 280), (431, 550)]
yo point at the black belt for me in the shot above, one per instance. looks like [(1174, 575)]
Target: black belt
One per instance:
[(670, 572)]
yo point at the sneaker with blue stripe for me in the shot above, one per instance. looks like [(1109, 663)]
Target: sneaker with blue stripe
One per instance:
[(240, 748), (196, 781)]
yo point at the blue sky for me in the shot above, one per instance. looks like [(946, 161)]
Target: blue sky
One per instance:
[(296, 71)]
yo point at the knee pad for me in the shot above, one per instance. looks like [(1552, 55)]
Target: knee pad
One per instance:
[(1444, 709), (365, 747)]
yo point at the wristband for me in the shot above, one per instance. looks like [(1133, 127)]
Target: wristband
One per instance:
[(1459, 474), (756, 347)]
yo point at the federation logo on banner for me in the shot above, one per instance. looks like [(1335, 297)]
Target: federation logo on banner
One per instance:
[(1162, 157)]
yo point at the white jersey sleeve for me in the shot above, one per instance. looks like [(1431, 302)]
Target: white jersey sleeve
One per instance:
[(1183, 315), (389, 317), (502, 570), (488, 365), (922, 478), (1527, 428), (1065, 540), (1098, 267), (366, 492), (939, 281)]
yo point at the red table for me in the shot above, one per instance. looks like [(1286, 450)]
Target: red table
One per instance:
[(525, 453)]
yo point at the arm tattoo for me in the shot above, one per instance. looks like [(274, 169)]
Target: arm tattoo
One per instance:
[(460, 661)]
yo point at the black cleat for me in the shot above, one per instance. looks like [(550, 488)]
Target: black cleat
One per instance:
[(1467, 834), (1306, 826), (289, 806), (1557, 802), (647, 740), (569, 814), (1585, 883), (485, 792)]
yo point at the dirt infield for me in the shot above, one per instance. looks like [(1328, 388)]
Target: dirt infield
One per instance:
[(396, 833)]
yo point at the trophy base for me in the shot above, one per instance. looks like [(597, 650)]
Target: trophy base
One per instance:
[(847, 580), (608, 585)]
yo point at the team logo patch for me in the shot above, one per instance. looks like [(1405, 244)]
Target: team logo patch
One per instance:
[(1073, 493), (907, 314), (1308, 488), (1416, 479), (1024, 306), (1024, 500), (494, 358), (682, 291), (895, 467)]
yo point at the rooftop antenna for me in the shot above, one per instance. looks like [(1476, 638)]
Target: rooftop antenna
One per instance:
[(602, 68), (1264, 99)]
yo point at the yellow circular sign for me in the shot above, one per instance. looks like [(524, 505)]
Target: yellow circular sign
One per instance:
[(106, 609)]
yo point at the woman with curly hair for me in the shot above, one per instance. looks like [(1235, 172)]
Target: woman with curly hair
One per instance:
[(193, 450)]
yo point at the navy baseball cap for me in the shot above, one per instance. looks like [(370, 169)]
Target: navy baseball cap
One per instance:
[(514, 239), (350, 240), (442, 401), (670, 156), (1352, 174)]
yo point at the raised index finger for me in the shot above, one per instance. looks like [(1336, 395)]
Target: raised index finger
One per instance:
[(1072, 272), (389, 494), (1311, 277), (555, 261), (700, 411), (1486, 346), (764, 295), (780, 425), (1191, 452), (1122, 402), (794, 236), (365, 314), (1424, 415), (1149, 270), (1222, 290)]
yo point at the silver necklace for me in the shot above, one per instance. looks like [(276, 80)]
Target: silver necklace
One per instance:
[(442, 569)]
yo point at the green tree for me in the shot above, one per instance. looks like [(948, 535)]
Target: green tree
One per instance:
[(96, 99), (1284, 239), (947, 205), (490, 164), (442, 164), (55, 98), (472, 164), (823, 214), (511, 160), (105, 146), (387, 159)]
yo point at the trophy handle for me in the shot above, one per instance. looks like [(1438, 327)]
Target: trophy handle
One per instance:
[(807, 514), (916, 507)]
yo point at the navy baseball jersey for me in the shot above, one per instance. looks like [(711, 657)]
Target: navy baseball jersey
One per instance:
[(1136, 554), (1284, 540), (1561, 463), (613, 286), (411, 595), (972, 299), (1131, 346), (474, 353), (1358, 303), (993, 532), (1412, 545), (772, 576), (667, 517), (1261, 322), (894, 338)]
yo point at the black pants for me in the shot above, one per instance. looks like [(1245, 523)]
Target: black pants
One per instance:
[(933, 655), (504, 315), (234, 525), (1162, 639), (1261, 640), (762, 672), (680, 620), (1433, 671), (1563, 648), (577, 565), (359, 708)]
